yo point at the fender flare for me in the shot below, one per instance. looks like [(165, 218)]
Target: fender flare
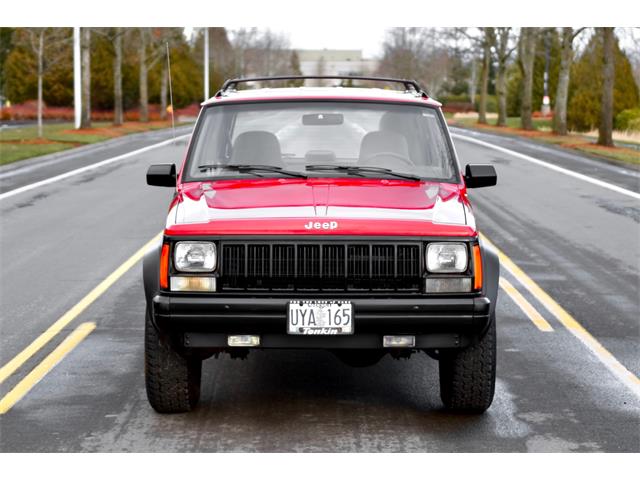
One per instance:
[(491, 269), (151, 273)]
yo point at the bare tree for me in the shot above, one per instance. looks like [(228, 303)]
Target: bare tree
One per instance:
[(488, 39), (527, 53), (605, 132), (504, 49), (152, 49), (45, 44), (562, 91), (417, 53), (118, 111)]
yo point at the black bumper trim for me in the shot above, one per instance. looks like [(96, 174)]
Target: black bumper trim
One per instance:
[(268, 316), (357, 341)]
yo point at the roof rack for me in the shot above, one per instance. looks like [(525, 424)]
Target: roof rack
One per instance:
[(408, 84)]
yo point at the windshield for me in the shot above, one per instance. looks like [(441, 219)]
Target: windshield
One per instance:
[(320, 139)]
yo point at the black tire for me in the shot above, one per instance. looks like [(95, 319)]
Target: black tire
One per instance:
[(172, 381), (468, 376)]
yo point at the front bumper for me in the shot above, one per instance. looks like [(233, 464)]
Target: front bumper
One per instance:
[(204, 321)]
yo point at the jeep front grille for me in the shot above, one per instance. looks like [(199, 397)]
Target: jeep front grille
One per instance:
[(305, 267)]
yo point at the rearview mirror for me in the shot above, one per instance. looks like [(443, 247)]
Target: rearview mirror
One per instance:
[(323, 119), (480, 175), (162, 175)]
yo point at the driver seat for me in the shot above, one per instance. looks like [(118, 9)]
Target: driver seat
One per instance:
[(376, 143)]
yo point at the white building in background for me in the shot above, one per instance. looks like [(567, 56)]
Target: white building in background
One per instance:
[(335, 62)]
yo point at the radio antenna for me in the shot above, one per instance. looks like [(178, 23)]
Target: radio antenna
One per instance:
[(173, 121)]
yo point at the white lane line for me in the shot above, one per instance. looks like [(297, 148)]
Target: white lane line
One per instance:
[(78, 171), (551, 166)]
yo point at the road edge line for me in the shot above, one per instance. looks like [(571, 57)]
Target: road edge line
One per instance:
[(569, 322), (580, 176), (529, 310), (45, 337), (45, 366), (87, 168)]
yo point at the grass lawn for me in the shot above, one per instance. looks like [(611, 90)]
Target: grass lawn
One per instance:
[(543, 134), (23, 142)]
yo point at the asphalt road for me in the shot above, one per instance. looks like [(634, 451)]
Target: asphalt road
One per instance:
[(580, 242)]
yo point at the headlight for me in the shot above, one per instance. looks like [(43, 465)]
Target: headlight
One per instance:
[(195, 256), (447, 257)]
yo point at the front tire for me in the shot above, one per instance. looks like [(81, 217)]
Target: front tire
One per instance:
[(468, 376), (172, 381)]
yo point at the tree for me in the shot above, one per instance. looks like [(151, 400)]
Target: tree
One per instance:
[(586, 85), (151, 50), (562, 92), (44, 44), (85, 61), (114, 36), (6, 45), (605, 132), (421, 54), (527, 52), (295, 70), (503, 52), (488, 39)]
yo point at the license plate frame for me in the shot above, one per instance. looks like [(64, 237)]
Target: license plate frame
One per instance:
[(330, 317)]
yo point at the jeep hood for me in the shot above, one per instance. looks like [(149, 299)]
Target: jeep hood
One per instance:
[(320, 206)]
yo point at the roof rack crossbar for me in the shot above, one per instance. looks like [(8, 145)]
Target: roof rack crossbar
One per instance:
[(408, 84)]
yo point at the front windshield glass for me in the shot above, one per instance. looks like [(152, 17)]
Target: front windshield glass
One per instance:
[(295, 136)]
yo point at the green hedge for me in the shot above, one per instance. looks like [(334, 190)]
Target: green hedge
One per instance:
[(628, 120)]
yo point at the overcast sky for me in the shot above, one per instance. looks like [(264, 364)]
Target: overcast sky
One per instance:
[(369, 38)]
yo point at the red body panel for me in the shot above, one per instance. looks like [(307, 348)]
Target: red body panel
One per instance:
[(283, 206), (348, 206)]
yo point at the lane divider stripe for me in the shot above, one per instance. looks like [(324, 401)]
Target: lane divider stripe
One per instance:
[(528, 309), (87, 168), (17, 361), (44, 367), (580, 176), (570, 323)]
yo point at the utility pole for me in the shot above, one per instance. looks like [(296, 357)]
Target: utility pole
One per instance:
[(77, 88), (206, 63), (546, 103)]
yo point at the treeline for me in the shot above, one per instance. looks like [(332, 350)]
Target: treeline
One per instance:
[(127, 68), (589, 78)]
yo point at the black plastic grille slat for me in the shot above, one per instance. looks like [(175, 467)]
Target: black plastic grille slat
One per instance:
[(283, 261), (321, 267), (309, 261), (383, 261), (408, 261), (333, 261), (258, 261)]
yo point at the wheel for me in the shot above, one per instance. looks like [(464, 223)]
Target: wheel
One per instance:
[(172, 381), (468, 376)]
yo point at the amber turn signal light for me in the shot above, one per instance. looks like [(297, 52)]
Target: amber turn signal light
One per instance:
[(477, 268), (164, 266)]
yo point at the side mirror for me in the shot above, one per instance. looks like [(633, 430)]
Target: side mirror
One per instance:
[(162, 175), (479, 175)]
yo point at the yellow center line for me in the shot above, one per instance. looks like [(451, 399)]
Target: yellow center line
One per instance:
[(46, 336), (44, 367), (529, 310), (570, 323)]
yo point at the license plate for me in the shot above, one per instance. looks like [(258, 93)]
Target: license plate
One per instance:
[(319, 317)]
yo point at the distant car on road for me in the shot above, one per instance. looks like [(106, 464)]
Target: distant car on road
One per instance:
[(321, 218)]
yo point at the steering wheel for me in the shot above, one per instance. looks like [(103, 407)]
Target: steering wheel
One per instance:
[(395, 155)]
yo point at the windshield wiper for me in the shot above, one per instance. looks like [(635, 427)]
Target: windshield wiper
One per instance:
[(246, 168), (358, 170)]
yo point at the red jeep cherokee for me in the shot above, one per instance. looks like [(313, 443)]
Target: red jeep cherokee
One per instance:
[(321, 218)]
